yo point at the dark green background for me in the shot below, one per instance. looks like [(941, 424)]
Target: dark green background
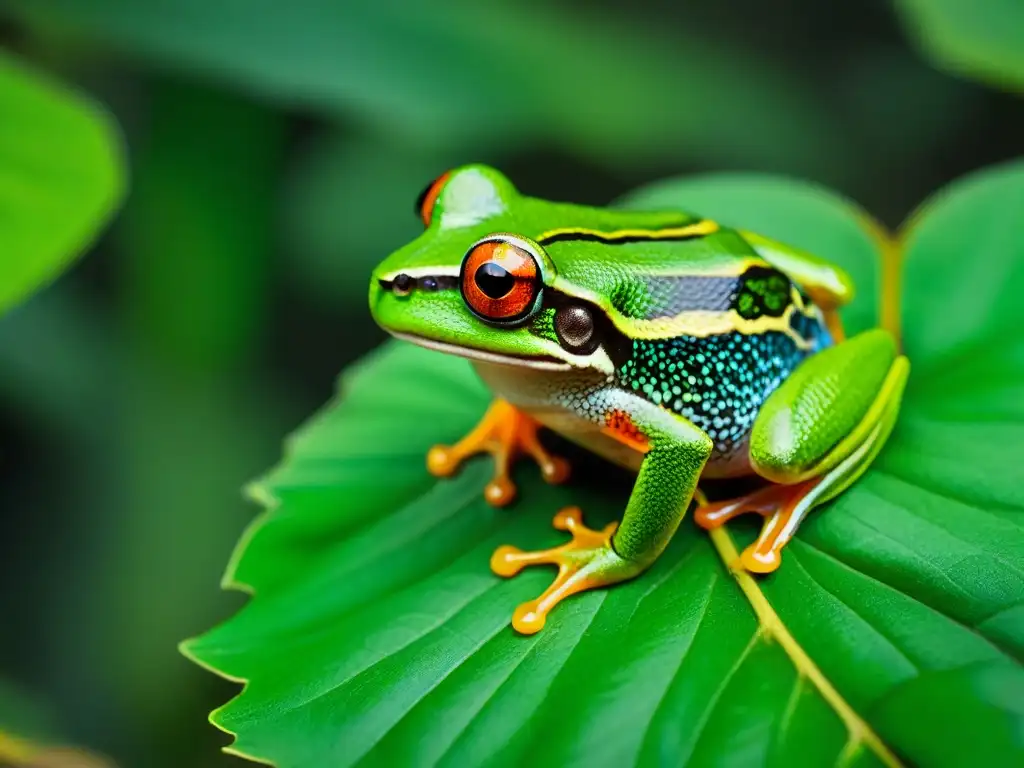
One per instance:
[(275, 155)]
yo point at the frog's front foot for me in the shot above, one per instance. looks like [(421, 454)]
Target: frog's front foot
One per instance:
[(783, 508), (586, 562), (506, 433)]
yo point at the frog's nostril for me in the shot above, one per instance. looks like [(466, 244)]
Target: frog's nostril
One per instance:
[(402, 285)]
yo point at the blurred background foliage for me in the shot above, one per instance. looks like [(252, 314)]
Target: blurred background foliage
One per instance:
[(276, 150)]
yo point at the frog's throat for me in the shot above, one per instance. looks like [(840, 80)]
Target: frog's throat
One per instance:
[(540, 362)]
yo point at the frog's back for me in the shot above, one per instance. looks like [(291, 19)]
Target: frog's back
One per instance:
[(712, 328)]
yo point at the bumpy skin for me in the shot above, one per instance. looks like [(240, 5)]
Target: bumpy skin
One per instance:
[(706, 353)]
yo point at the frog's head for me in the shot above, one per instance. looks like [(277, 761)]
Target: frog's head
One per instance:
[(480, 281)]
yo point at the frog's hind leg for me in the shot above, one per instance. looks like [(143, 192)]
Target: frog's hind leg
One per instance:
[(782, 506), (814, 437), (765, 501), (506, 433)]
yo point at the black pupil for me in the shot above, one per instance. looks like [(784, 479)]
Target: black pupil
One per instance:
[(494, 280)]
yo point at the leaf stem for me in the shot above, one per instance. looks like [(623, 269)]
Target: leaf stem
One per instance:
[(890, 290)]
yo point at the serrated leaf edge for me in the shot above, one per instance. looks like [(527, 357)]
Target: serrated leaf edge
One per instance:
[(185, 649)]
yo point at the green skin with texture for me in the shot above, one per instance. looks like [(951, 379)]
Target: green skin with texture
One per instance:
[(710, 344)]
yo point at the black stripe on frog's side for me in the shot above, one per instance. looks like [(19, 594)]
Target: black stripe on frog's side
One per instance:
[(610, 238), (404, 283), (718, 382)]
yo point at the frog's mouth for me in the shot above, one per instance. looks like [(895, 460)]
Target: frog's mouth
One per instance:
[(538, 362)]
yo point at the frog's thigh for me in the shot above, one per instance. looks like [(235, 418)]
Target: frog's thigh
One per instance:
[(832, 416), (815, 435)]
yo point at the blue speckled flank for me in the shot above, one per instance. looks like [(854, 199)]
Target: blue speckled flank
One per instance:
[(719, 383)]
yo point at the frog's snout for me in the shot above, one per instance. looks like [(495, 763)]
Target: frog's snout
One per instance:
[(399, 299)]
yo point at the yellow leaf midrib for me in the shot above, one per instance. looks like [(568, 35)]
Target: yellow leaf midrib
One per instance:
[(773, 628), (859, 733)]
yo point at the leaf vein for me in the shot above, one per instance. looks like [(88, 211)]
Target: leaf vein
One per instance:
[(710, 589), (839, 562)]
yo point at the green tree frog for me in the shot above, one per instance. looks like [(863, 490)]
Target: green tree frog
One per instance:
[(662, 341)]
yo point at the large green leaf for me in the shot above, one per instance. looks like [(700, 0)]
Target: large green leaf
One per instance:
[(60, 178), (894, 630), (983, 39), (451, 71)]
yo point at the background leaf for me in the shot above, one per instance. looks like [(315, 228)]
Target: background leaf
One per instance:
[(22, 715), (965, 286), (983, 39), (27, 738), (377, 634), (60, 178), (448, 72)]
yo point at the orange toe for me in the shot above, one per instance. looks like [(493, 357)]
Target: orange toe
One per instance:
[(506, 433), (585, 562), (781, 508)]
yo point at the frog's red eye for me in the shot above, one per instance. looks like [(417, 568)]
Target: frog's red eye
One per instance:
[(500, 279), (428, 198)]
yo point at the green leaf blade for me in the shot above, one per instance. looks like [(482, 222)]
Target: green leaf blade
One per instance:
[(61, 177), (925, 549), (948, 703), (983, 40), (419, 71), (378, 635)]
